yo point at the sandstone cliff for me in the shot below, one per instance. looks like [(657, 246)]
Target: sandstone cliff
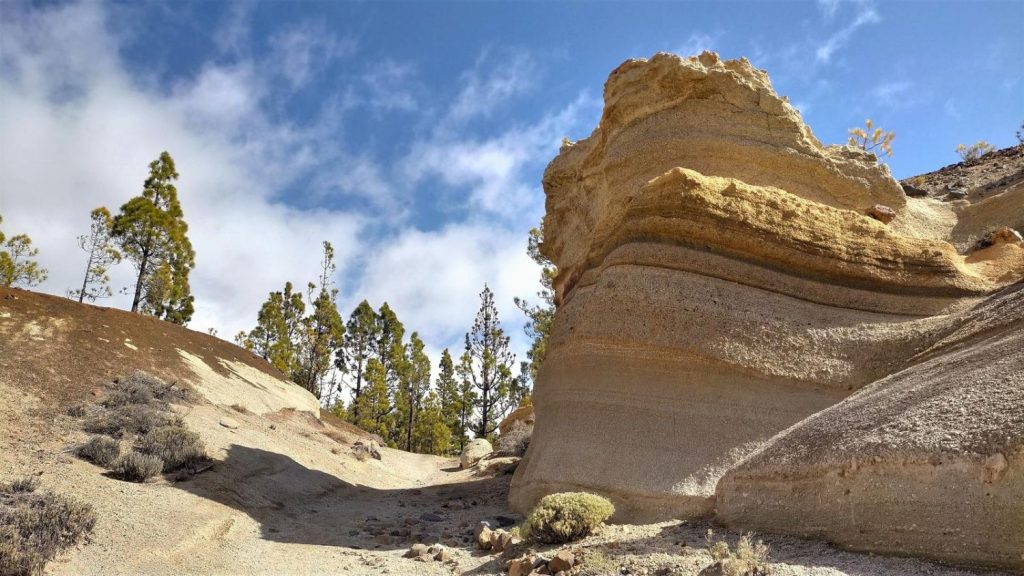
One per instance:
[(929, 460), (719, 281)]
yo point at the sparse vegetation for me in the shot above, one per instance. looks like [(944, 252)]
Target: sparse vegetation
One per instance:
[(974, 151), (872, 138), (515, 441), (34, 527), (749, 558), (100, 450), (137, 467), (17, 267), (176, 446), (127, 420), (567, 516)]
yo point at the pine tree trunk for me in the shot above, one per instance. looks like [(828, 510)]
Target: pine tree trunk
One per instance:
[(85, 281), (138, 284)]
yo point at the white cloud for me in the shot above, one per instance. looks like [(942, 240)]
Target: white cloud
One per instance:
[(432, 279), (895, 94), (77, 130), (696, 43), (494, 80), (391, 86), (864, 13), (493, 170), (302, 50), (60, 158)]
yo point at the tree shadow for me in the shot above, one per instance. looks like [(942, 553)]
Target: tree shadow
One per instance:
[(296, 504)]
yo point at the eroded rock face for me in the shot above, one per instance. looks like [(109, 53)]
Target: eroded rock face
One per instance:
[(928, 461), (719, 281)]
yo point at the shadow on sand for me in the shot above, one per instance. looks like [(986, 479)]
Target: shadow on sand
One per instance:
[(296, 504)]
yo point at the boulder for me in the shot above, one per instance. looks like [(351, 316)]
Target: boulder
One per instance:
[(482, 535), (717, 283), (474, 451), (229, 423), (562, 560), (364, 449), (522, 414), (928, 461), (882, 213), (521, 566)]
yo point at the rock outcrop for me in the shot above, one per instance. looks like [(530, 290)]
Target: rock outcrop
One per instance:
[(719, 280), (929, 460)]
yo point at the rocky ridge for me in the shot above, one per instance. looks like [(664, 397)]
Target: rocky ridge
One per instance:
[(720, 281)]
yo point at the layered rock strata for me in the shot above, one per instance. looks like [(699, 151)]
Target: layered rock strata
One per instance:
[(928, 461), (719, 281)]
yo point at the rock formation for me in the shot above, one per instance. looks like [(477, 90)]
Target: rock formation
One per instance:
[(929, 460), (719, 280)]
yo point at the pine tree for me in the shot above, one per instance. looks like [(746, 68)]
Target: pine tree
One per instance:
[(322, 331), (414, 381), (151, 232), (99, 245), (375, 408), (278, 326), (466, 402), (432, 434), (361, 341), (542, 315), (16, 264), (451, 399), (487, 363)]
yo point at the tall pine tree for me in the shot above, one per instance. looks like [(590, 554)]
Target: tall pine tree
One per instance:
[(278, 326), (414, 382), (360, 344), (487, 363), (151, 232), (322, 330), (451, 400)]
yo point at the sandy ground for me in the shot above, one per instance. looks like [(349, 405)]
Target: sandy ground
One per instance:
[(287, 497)]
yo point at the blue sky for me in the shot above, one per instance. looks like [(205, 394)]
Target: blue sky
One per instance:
[(414, 135)]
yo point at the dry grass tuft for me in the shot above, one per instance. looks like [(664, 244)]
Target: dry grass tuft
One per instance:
[(34, 528)]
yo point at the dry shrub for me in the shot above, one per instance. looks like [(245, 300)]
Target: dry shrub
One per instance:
[(34, 528), (78, 410), (175, 446), (750, 558), (130, 419), (137, 467), (515, 441), (974, 151), (566, 516), (100, 450)]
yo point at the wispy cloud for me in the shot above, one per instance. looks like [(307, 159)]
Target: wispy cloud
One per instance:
[(896, 94), (696, 43), (301, 50), (496, 78), (864, 13), (392, 86)]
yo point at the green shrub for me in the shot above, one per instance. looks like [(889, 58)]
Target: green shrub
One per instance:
[(176, 446), (567, 516), (100, 450), (34, 528), (137, 467)]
